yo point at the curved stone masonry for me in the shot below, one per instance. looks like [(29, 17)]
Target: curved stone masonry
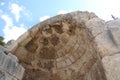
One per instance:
[(61, 48)]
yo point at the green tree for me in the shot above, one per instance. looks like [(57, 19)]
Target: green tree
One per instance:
[(1, 41)]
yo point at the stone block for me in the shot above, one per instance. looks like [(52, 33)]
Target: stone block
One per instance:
[(13, 68), (60, 53), (60, 59), (2, 59), (68, 62), (115, 35), (2, 49), (105, 44), (10, 66), (111, 66), (59, 65), (72, 59), (14, 79), (76, 55), (13, 57), (8, 77), (76, 47), (20, 72), (63, 63), (96, 25), (10, 69), (2, 75)]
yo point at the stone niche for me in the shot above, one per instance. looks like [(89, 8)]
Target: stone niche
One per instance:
[(60, 48)]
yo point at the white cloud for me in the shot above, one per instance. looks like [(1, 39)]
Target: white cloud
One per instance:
[(104, 8), (16, 9), (11, 31), (59, 12), (8, 21), (44, 18), (63, 12), (2, 3)]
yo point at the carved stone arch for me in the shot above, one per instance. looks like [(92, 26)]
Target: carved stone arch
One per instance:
[(60, 48)]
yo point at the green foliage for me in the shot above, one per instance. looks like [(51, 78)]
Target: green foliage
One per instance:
[(1, 41)]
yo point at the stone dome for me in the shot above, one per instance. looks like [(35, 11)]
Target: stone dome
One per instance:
[(60, 48)]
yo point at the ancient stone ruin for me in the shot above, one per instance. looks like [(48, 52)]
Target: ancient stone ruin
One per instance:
[(73, 46)]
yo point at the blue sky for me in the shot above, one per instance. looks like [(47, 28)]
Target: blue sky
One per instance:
[(17, 16)]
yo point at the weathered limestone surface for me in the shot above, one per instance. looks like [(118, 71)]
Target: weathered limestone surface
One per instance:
[(62, 48), (73, 46), (111, 62), (10, 45), (112, 66), (10, 69)]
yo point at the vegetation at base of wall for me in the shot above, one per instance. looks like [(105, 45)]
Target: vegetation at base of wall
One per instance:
[(1, 41)]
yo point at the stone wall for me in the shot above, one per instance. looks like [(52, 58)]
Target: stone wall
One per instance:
[(62, 48), (111, 62), (10, 69)]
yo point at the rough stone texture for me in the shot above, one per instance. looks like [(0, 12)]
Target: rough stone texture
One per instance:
[(105, 35), (73, 46), (111, 62), (10, 69), (112, 66), (65, 47), (10, 44)]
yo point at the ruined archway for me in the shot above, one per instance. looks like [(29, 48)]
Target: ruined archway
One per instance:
[(60, 48)]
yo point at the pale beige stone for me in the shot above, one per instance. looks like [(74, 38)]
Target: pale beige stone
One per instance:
[(111, 65), (115, 35), (63, 47)]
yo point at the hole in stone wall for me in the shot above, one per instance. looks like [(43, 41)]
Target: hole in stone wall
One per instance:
[(54, 40), (47, 53), (45, 41), (58, 28), (31, 46)]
